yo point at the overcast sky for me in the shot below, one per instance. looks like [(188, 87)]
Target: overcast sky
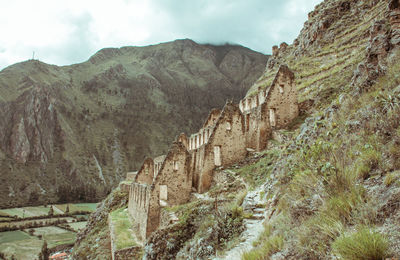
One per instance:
[(70, 31)]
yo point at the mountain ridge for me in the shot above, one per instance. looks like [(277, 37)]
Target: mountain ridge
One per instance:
[(100, 118)]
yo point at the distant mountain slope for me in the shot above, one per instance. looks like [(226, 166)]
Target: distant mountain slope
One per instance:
[(70, 133)]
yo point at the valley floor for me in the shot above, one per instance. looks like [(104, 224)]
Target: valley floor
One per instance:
[(23, 231)]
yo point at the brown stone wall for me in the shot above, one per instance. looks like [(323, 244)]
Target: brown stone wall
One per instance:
[(153, 220), (131, 176), (146, 172), (176, 174), (258, 131), (125, 186), (282, 98), (197, 165), (229, 136), (158, 161), (212, 118), (182, 138), (138, 207)]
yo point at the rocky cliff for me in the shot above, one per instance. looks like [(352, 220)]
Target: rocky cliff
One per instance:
[(71, 133)]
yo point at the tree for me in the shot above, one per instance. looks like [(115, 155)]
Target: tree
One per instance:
[(45, 251), (67, 209), (51, 211)]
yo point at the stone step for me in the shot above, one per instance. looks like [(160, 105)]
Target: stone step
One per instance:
[(259, 210), (257, 216)]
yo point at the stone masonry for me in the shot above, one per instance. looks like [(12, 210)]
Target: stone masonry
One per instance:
[(224, 139)]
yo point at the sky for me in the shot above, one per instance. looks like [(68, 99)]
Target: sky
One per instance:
[(64, 32)]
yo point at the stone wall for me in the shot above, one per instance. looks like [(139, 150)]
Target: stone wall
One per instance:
[(158, 161), (282, 99), (225, 146), (257, 127), (146, 173), (176, 174), (222, 141), (138, 207), (131, 176)]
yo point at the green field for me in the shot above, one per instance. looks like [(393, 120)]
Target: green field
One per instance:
[(44, 211), (77, 225), (24, 246), (77, 207), (23, 249), (27, 211), (24, 222), (59, 239), (48, 230), (12, 236)]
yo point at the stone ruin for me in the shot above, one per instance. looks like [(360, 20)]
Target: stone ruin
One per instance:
[(224, 139)]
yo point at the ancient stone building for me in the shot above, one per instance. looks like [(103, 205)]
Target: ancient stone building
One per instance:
[(270, 109), (224, 139), (146, 173), (175, 176), (223, 145)]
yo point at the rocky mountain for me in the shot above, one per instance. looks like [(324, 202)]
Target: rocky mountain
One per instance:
[(328, 186), (71, 133)]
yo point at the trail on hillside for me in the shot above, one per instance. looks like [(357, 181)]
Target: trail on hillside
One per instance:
[(253, 227)]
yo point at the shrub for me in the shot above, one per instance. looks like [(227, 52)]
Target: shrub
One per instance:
[(315, 235), (391, 178), (364, 244)]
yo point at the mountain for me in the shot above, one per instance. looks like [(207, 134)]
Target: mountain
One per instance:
[(71, 133), (328, 186)]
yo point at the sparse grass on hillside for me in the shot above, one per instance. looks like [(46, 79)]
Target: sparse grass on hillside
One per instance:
[(363, 244), (256, 173), (328, 180), (122, 228)]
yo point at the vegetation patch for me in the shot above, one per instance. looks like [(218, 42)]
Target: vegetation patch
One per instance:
[(12, 236), (362, 244), (123, 233), (256, 173), (266, 245)]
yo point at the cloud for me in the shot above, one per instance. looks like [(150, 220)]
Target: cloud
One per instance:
[(64, 32)]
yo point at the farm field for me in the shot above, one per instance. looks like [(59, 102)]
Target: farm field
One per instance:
[(77, 225), (77, 207), (27, 248), (20, 224), (26, 243), (26, 212)]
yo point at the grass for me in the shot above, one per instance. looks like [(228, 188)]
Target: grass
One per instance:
[(60, 239), (256, 173), (363, 244), (43, 211), (28, 248), (124, 237), (392, 178), (12, 236), (77, 226), (49, 221), (266, 245), (74, 207), (48, 230)]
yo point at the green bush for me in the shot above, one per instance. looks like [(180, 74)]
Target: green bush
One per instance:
[(364, 244)]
